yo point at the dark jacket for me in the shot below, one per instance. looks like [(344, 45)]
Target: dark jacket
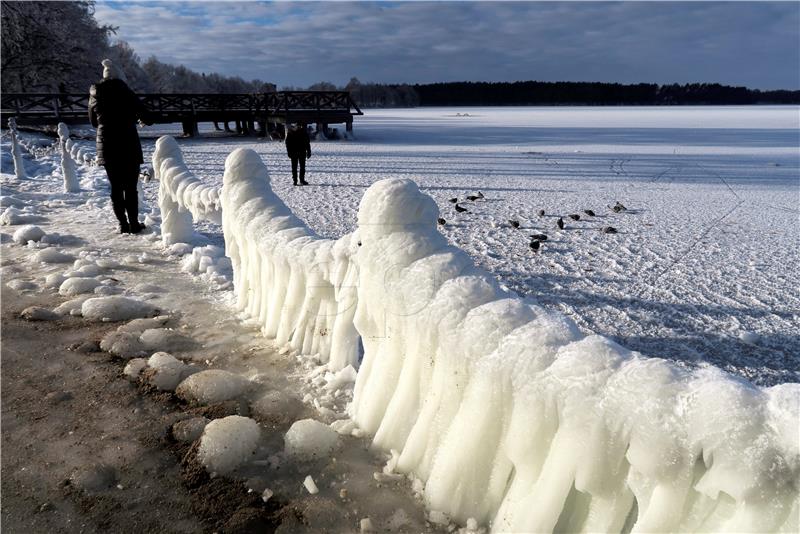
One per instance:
[(114, 110), (298, 145)]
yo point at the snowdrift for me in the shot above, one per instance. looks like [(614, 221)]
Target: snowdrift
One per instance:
[(506, 411), (182, 197)]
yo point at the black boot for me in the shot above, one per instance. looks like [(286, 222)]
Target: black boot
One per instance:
[(124, 228), (137, 227)]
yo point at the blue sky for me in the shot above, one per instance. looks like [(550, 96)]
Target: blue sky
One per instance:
[(756, 44)]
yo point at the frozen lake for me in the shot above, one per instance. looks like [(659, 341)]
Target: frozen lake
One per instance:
[(704, 267)]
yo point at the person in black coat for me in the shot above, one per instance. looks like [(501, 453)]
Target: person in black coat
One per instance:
[(114, 109), (298, 147)]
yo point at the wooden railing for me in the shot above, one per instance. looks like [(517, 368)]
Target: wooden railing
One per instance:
[(321, 106)]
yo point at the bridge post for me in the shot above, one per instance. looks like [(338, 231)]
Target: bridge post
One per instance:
[(190, 128)]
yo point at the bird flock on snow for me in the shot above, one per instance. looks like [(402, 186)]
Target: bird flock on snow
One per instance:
[(537, 239)]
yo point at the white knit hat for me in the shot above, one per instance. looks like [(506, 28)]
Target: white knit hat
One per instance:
[(111, 71)]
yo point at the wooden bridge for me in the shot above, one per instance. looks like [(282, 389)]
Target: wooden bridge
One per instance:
[(271, 111)]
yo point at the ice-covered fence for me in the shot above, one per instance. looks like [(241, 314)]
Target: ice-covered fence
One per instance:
[(68, 169), (182, 197), (505, 411), (512, 417), (16, 150), (301, 288)]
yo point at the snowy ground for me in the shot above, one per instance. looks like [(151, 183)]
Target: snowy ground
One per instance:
[(705, 265)]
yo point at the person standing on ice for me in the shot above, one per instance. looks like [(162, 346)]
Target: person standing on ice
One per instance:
[(298, 147), (114, 109)]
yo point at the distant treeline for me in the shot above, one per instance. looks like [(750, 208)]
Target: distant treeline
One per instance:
[(593, 93)]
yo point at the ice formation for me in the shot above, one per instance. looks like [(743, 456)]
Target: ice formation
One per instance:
[(166, 371), (26, 233), (68, 169), (309, 439), (115, 308), (505, 411), (212, 386), (299, 287), (16, 150), (52, 255), (228, 443), (182, 196)]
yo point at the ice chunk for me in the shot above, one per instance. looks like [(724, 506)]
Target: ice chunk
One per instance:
[(123, 344), (228, 443), (54, 280), (180, 249), (309, 439), (77, 285), (165, 339), (310, 485), (166, 371), (341, 378), (22, 285), (116, 308), (52, 255), (212, 386), (134, 368), (26, 233), (190, 429), (140, 325), (72, 307), (37, 313)]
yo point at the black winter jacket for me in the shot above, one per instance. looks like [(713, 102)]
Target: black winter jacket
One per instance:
[(114, 110), (298, 145)]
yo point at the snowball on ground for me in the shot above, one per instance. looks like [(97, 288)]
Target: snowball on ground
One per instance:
[(115, 308), (78, 285), (165, 339), (123, 344), (26, 233), (228, 443), (72, 307), (140, 325), (212, 386), (22, 285), (52, 255), (54, 280), (166, 371), (309, 439), (37, 313), (134, 368)]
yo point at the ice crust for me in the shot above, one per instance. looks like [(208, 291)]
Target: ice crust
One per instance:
[(228, 443), (559, 431)]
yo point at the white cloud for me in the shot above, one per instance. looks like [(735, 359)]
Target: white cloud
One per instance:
[(751, 44)]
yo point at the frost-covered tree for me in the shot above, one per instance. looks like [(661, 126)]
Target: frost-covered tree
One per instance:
[(47, 45), (126, 59)]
